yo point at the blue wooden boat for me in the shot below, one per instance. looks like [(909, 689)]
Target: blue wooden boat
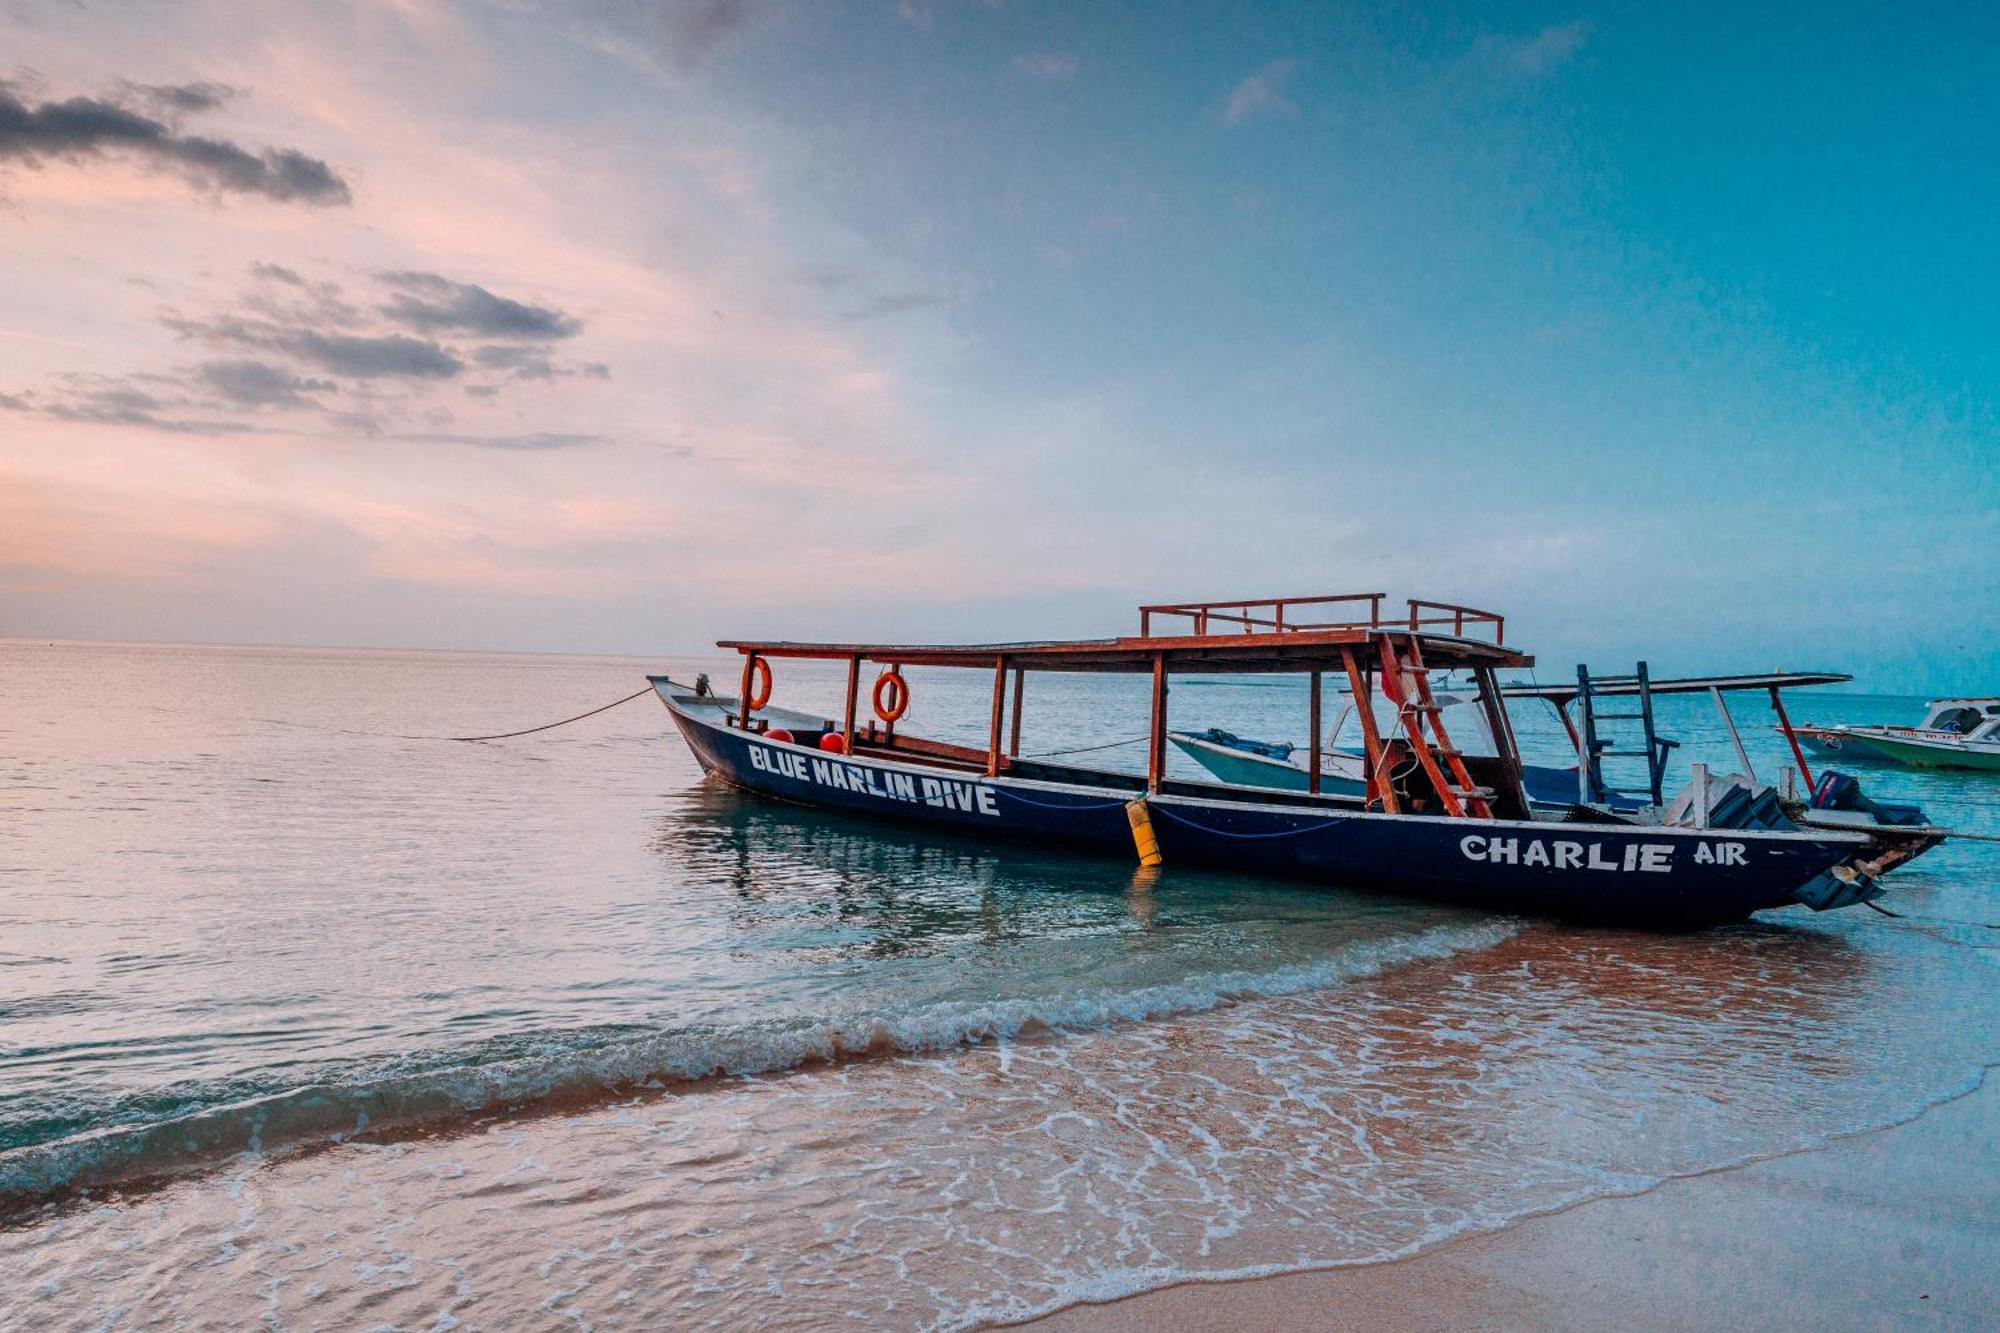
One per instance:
[(1429, 820)]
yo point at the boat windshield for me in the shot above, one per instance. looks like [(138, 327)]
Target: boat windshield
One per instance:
[(1956, 718)]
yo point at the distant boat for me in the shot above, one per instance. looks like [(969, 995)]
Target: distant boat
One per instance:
[(1955, 733)]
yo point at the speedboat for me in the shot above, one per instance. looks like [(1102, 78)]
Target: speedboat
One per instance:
[(1955, 733), (1430, 819)]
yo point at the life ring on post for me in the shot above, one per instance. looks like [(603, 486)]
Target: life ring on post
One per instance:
[(760, 683), (892, 684)]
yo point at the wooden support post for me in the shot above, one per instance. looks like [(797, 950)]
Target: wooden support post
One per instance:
[(743, 693), (1312, 774), (1156, 752), (999, 715), (1014, 724), (1379, 787), (853, 692), (1575, 741), (1735, 739), (1785, 725), (1502, 726)]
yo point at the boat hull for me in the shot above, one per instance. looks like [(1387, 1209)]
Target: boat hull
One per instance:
[(1591, 872), (1912, 751), (1927, 754)]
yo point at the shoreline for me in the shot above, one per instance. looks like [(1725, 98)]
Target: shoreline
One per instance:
[(1874, 1228)]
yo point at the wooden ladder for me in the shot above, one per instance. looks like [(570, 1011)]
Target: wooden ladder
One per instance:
[(1407, 686)]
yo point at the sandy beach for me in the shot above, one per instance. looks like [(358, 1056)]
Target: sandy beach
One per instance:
[(1890, 1229)]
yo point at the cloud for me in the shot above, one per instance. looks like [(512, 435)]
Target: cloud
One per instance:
[(171, 99), (825, 277), (309, 341), (259, 384), (1536, 55), (285, 296), (429, 303), (693, 31), (523, 363), (1048, 66), (106, 401), (83, 128), (533, 440), (277, 273), (1262, 94), (357, 356), (372, 358), (898, 303)]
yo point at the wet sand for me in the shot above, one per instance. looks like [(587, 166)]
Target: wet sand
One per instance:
[(1890, 1229)]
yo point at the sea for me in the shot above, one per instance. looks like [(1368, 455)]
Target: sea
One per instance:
[(311, 1016)]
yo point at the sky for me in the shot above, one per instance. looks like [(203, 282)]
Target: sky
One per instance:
[(626, 325)]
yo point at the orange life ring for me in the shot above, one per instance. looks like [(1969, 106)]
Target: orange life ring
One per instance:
[(898, 690), (760, 683)]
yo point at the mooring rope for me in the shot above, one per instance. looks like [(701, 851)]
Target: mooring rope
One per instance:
[(550, 726), (1971, 837), (1086, 749), (1012, 795)]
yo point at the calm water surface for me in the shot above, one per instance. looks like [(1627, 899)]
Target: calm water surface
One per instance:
[(247, 908)]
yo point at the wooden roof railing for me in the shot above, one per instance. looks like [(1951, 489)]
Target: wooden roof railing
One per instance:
[(1275, 634), (1460, 618), (1281, 615)]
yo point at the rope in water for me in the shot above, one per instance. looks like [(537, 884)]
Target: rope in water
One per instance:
[(550, 726)]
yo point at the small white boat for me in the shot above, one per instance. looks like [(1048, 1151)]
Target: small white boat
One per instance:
[(1955, 733)]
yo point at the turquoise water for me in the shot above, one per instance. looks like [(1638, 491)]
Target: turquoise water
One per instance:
[(248, 903), (243, 901)]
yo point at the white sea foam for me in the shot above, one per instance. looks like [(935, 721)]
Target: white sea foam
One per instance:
[(333, 1111)]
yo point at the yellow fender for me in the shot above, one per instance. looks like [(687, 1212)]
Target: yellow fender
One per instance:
[(1143, 839)]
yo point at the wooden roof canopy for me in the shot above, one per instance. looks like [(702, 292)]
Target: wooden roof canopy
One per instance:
[(1238, 636)]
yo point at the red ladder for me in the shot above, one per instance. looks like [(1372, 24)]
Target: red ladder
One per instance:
[(1407, 686)]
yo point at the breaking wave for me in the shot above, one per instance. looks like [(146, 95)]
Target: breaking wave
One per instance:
[(565, 1070)]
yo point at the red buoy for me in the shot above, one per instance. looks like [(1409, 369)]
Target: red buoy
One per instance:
[(833, 743), (780, 734)]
